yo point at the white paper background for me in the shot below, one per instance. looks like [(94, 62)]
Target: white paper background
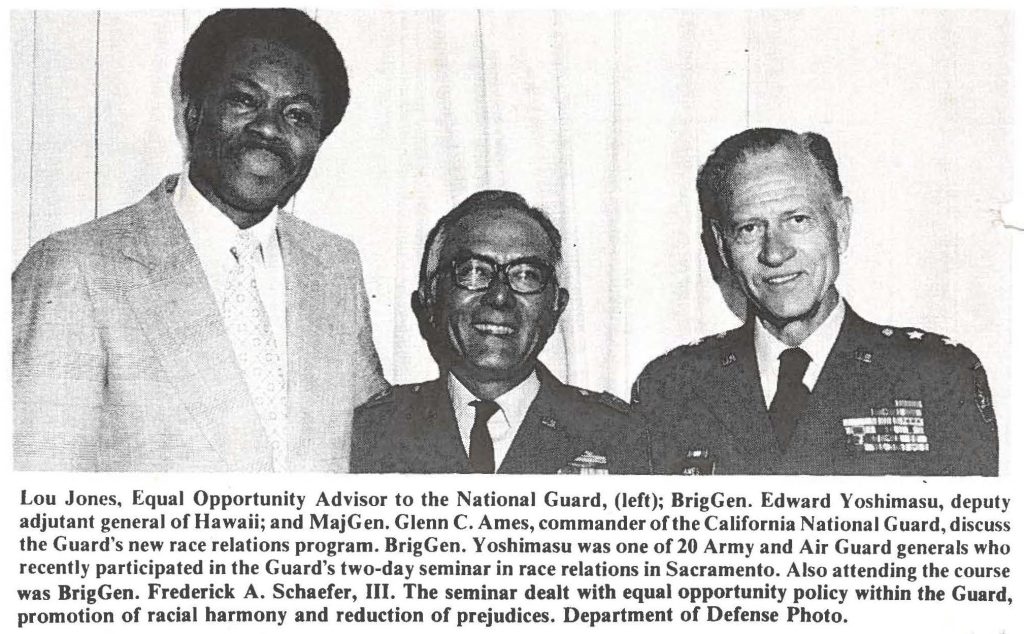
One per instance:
[(603, 120)]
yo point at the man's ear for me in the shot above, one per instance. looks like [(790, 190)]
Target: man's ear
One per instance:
[(843, 212), (716, 230), (561, 301), (424, 316), (193, 113)]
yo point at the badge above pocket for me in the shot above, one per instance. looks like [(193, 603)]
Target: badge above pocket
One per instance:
[(697, 462), (587, 463)]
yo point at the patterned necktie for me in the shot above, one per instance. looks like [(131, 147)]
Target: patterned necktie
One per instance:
[(791, 395), (481, 449), (248, 326)]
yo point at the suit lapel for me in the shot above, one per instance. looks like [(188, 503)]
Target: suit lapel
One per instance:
[(545, 442), (317, 386), (178, 314), (738, 400)]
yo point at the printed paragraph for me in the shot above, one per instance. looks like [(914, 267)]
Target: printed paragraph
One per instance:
[(478, 556)]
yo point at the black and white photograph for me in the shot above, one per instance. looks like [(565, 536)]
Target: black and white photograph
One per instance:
[(270, 267), (752, 242)]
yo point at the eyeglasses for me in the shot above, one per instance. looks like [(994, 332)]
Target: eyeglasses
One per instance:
[(525, 276)]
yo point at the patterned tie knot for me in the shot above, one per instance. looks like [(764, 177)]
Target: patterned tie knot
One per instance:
[(245, 248), (793, 364)]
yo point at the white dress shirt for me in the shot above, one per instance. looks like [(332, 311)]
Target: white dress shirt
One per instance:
[(212, 234), (817, 346), (505, 422)]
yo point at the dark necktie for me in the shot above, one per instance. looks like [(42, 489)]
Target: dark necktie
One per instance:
[(481, 449), (790, 396)]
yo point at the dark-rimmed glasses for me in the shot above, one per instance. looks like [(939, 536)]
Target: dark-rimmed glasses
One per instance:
[(525, 276)]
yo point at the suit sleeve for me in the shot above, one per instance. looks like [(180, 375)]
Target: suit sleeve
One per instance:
[(59, 363), (368, 377)]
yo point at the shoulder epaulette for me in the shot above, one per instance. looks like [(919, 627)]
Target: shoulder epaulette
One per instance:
[(702, 340), (915, 335), (607, 399), (384, 396)]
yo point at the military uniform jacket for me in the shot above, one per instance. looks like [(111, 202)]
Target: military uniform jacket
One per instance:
[(413, 429), (888, 401)]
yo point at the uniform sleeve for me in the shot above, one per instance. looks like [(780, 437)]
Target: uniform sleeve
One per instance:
[(637, 441), (366, 436), (974, 429), (59, 363)]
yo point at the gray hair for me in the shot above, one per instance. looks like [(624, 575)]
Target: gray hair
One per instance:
[(713, 177)]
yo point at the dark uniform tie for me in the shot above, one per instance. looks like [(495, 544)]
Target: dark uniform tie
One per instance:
[(481, 449), (791, 395)]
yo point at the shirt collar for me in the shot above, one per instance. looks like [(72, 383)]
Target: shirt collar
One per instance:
[(209, 227), (514, 403), (818, 345)]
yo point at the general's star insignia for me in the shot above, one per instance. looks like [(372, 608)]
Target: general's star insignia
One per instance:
[(915, 334), (887, 332), (949, 341)]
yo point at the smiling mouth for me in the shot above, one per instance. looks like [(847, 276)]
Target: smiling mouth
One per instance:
[(780, 280), (497, 330)]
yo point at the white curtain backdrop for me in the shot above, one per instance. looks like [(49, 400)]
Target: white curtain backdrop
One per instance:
[(602, 119)]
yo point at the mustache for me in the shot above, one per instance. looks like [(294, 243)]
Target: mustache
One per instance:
[(277, 148)]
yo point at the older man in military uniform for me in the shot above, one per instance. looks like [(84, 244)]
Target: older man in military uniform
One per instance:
[(806, 386), (488, 300)]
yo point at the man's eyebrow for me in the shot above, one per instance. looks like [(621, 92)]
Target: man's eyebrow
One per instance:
[(243, 79), (249, 83), (465, 252), (307, 98)]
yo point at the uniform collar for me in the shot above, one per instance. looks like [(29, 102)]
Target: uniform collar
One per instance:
[(817, 345), (513, 403)]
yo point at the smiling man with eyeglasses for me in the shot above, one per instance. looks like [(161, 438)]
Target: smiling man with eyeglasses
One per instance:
[(488, 300)]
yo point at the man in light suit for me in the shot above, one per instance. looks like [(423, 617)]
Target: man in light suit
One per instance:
[(202, 329), (806, 386), (488, 300)]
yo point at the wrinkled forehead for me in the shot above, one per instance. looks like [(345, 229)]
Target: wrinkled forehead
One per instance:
[(501, 234), (780, 177)]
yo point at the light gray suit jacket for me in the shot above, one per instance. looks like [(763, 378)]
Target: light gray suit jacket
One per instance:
[(122, 361)]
